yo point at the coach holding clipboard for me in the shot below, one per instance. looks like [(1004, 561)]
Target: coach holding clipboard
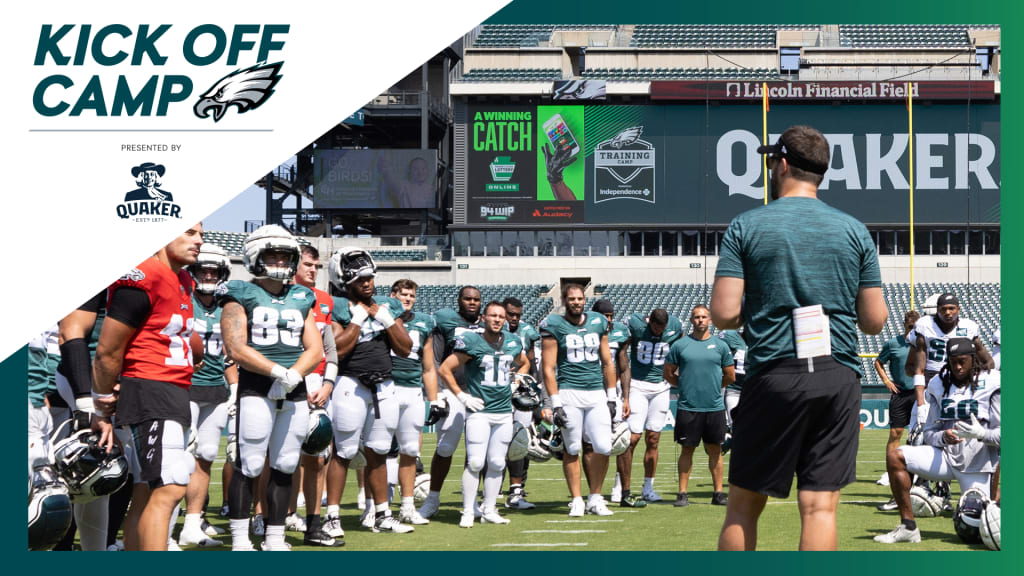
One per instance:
[(801, 276)]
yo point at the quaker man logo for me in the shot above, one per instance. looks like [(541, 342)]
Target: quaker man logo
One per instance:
[(246, 89), (149, 202), (624, 168)]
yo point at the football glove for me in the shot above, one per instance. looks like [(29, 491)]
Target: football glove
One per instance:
[(612, 409), (972, 429), (438, 412), (555, 162), (922, 414), (472, 403), (559, 417), (276, 391), (232, 399), (359, 314)]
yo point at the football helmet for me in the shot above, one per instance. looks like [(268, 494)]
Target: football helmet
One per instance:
[(557, 443), (349, 263), (990, 526), (49, 510), (526, 395), (211, 257), (520, 444), (968, 515), (620, 438), (319, 433), (931, 305), (924, 502), (87, 469), (231, 450), (539, 449), (421, 487), (270, 238)]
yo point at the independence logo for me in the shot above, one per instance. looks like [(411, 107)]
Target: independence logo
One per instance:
[(624, 168), (149, 202)]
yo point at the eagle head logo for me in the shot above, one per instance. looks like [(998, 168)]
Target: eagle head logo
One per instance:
[(247, 89), (627, 136)]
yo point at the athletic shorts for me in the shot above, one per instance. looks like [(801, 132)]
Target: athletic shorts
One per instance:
[(694, 427), (160, 457), (900, 406), (792, 421)]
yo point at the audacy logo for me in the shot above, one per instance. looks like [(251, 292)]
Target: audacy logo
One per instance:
[(624, 168), (149, 202)]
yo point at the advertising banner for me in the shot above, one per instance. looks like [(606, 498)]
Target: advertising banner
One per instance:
[(374, 179)]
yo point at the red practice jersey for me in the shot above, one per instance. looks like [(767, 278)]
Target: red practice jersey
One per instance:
[(322, 315)]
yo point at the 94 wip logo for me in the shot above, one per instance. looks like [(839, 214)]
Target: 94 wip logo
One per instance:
[(149, 202), (247, 89)]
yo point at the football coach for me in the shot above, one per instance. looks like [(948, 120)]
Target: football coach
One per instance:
[(801, 276)]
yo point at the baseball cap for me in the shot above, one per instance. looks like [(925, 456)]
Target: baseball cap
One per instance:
[(959, 347), (947, 299), (603, 307), (781, 150)]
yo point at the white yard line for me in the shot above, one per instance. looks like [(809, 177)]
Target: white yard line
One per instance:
[(538, 545), (563, 532), (580, 521)]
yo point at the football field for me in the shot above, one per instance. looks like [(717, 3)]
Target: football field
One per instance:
[(659, 526)]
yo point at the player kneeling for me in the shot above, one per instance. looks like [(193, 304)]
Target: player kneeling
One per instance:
[(489, 360), (961, 436)]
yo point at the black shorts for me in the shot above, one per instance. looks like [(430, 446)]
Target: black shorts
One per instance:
[(693, 427), (791, 421), (160, 454), (900, 405)]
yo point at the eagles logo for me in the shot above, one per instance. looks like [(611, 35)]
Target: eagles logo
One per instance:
[(135, 275), (627, 136), (247, 89)]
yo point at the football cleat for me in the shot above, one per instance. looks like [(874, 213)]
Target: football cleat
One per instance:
[(224, 510), (197, 538), (172, 546), (243, 547), (651, 496), (391, 524), (682, 499), (270, 238), (430, 506), (576, 508), (719, 499), (294, 523), (210, 529), (367, 518), (888, 506), (117, 546), (517, 501), (466, 521), (268, 547), (332, 526), (257, 526), (883, 480), (631, 501), (321, 538), (900, 534), (411, 516), (598, 507), (492, 517)]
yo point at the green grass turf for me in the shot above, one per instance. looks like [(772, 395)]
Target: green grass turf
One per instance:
[(657, 527)]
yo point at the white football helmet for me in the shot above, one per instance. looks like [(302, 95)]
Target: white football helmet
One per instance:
[(520, 444), (349, 263), (931, 305), (270, 238), (990, 526), (620, 438), (213, 257)]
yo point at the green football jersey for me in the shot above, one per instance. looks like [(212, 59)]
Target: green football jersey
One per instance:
[(275, 322), (700, 365), (617, 334), (409, 371), (42, 365), (579, 350), (527, 333), (449, 324), (646, 351), (372, 352), (489, 370), (738, 347), (207, 325)]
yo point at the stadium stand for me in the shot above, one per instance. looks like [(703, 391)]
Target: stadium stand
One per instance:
[(705, 35), (515, 35), (907, 35), (512, 74), (681, 73)]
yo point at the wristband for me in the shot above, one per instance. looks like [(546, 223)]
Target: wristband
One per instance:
[(556, 401), (384, 317), (610, 393), (919, 380), (279, 372), (85, 405)]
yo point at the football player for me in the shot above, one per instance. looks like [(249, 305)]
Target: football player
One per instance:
[(312, 470), (364, 408), (582, 395), (269, 329), (618, 335), (489, 360), (517, 469), (447, 325), (901, 403), (738, 346), (212, 386), (928, 341), (961, 436), (701, 367), (146, 344), (645, 396), (995, 350), (414, 376)]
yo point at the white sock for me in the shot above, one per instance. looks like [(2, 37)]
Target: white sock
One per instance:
[(192, 522), (370, 507), (174, 520), (275, 536), (240, 533), (381, 508), (648, 484), (334, 510), (593, 498), (408, 502), (618, 482)]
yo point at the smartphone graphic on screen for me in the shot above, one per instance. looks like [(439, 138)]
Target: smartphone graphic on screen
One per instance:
[(560, 135)]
